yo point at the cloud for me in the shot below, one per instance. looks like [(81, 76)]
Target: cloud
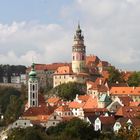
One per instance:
[(20, 42)]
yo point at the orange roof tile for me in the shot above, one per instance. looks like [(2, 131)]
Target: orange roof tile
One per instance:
[(38, 67), (127, 111), (83, 98), (55, 66), (92, 59), (134, 104), (125, 91), (64, 70), (35, 111), (63, 108), (75, 105), (92, 102), (53, 100)]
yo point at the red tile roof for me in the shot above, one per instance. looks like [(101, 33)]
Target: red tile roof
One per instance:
[(63, 108), (35, 111), (83, 98), (127, 111), (91, 103), (64, 70), (125, 100), (125, 91), (134, 103), (53, 100), (55, 66), (75, 105), (92, 59)]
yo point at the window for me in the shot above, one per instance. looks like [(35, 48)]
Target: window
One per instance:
[(33, 95), (53, 123), (33, 87), (73, 58), (54, 117), (25, 123), (33, 103)]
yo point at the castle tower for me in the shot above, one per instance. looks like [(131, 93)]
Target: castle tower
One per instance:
[(33, 88), (78, 52)]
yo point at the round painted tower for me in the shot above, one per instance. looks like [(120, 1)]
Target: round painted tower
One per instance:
[(78, 52), (33, 88)]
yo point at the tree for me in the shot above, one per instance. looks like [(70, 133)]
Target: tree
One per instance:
[(30, 133), (114, 75), (74, 129), (11, 103), (134, 79), (68, 91), (13, 110), (128, 132)]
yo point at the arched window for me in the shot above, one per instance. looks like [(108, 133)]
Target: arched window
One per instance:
[(33, 87)]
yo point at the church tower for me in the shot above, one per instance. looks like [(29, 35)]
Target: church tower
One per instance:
[(78, 52), (33, 88)]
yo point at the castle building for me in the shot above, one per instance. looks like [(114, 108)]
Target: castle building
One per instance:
[(78, 52), (33, 88), (76, 71)]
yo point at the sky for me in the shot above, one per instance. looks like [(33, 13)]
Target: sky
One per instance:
[(42, 31)]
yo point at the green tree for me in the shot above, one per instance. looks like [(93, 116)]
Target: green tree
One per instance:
[(114, 75), (74, 129), (30, 133), (134, 79), (68, 91)]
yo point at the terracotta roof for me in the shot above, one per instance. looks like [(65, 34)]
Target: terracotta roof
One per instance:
[(125, 100), (63, 108), (53, 100), (35, 111), (134, 103), (98, 85), (54, 66), (92, 59), (125, 91), (92, 102), (127, 111), (64, 70), (83, 98), (38, 67), (91, 110), (75, 105)]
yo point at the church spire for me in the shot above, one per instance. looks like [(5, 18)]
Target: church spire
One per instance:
[(78, 35)]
